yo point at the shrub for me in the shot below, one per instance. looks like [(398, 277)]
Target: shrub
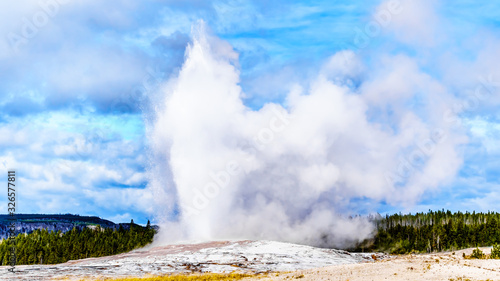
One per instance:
[(477, 254), (495, 252)]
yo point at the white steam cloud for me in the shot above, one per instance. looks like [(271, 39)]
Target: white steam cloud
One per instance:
[(290, 172)]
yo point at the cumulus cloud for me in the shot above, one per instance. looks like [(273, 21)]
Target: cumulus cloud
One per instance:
[(306, 138), (61, 169), (289, 172), (63, 51), (415, 22)]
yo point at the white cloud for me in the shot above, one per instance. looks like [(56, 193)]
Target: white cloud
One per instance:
[(414, 22), (343, 125), (299, 167), (486, 132), (64, 161)]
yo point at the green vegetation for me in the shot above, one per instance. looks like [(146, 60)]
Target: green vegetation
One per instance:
[(434, 231), (495, 252), (477, 254), (43, 247)]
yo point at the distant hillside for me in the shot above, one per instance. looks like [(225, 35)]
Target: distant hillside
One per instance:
[(27, 223), (86, 238), (434, 231)]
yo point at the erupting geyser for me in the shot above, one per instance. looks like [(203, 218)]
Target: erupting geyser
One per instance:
[(290, 172)]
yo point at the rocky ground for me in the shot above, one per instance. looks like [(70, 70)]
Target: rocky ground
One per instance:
[(442, 266), (297, 261), (224, 256)]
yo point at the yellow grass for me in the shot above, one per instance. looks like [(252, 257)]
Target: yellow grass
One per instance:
[(180, 277)]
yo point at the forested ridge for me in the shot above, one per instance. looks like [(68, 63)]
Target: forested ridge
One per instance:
[(50, 247), (5, 219), (27, 223), (397, 234), (434, 231)]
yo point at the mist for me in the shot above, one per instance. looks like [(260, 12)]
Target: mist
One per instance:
[(354, 136)]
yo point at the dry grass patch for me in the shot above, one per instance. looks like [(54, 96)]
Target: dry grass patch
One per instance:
[(182, 277)]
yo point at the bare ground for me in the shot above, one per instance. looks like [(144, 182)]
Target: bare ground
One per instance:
[(274, 258), (441, 266)]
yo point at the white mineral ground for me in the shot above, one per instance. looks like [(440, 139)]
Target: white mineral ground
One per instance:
[(307, 263)]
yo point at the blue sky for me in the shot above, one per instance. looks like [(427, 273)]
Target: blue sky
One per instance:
[(78, 79)]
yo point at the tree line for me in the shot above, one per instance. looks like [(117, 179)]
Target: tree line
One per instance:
[(434, 231), (397, 234), (44, 247)]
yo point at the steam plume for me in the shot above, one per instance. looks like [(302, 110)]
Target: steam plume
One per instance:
[(290, 172)]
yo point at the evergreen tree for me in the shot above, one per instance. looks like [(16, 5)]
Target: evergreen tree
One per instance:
[(44, 247), (434, 231)]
